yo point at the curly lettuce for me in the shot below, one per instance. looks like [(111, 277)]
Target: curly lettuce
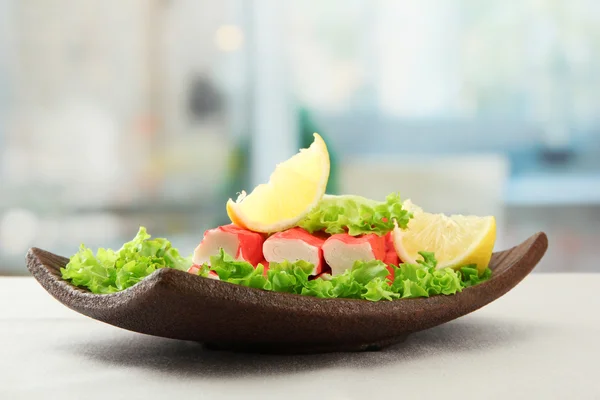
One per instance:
[(424, 280), (288, 277), (367, 280), (110, 271), (239, 272), (470, 275), (356, 215)]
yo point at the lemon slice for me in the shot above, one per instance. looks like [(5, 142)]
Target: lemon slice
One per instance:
[(456, 240), (412, 207), (294, 188)]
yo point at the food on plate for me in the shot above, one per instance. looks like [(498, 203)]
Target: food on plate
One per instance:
[(356, 215), (110, 271), (289, 236), (342, 250), (294, 245), (241, 243), (456, 240)]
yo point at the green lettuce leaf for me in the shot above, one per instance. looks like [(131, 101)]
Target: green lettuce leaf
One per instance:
[(470, 275), (203, 270), (238, 272), (320, 288), (424, 280), (345, 286), (108, 271), (356, 215), (366, 280), (365, 271), (378, 289), (289, 277), (96, 272)]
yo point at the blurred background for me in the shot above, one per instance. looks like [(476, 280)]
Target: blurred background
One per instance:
[(115, 114)]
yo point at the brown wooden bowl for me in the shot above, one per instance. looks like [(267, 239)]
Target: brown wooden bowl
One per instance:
[(176, 304)]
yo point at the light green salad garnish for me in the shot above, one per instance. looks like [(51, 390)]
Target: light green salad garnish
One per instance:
[(110, 271), (356, 215)]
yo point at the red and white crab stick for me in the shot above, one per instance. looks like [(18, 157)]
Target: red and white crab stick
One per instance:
[(239, 243), (391, 257), (293, 245), (342, 250)]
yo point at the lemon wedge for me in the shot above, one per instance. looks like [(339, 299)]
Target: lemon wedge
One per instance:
[(294, 188), (456, 240)]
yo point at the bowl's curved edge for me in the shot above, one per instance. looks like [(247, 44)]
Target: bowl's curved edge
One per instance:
[(45, 268), (200, 300)]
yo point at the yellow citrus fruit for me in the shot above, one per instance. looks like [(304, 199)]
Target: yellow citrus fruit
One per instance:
[(456, 240), (294, 188), (412, 207)]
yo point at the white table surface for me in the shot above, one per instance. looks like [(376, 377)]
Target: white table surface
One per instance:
[(540, 341)]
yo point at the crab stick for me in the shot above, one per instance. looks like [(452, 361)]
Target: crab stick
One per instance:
[(239, 243), (391, 257), (293, 245), (342, 250)]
